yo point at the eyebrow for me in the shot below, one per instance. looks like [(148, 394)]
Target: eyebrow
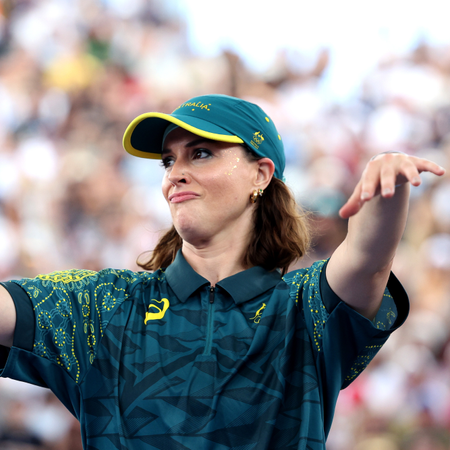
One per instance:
[(190, 144)]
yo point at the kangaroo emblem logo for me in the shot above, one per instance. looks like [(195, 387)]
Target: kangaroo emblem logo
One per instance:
[(258, 137), (159, 314), (258, 314)]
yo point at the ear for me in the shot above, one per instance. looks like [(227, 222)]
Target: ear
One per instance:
[(266, 168)]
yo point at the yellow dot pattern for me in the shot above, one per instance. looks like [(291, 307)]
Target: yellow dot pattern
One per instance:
[(362, 361), (67, 299), (306, 282), (384, 320), (60, 337), (306, 294), (386, 316)]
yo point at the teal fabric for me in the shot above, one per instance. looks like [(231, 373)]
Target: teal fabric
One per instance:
[(158, 361), (219, 114)]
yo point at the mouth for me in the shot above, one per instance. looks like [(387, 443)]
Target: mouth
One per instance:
[(182, 197)]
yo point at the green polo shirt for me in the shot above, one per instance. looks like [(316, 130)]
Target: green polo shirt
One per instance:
[(163, 361)]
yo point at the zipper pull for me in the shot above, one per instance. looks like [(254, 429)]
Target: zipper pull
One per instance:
[(211, 294)]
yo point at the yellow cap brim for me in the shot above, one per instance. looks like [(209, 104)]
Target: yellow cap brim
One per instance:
[(127, 137)]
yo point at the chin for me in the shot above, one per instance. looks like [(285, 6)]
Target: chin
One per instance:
[(192, 233), (187, 227)]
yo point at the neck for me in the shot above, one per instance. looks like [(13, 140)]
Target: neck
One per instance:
[(216, 261)]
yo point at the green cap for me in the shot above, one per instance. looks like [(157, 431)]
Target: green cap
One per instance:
[(217, 117)]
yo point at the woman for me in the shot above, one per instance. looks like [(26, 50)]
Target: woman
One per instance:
[(214, 348)]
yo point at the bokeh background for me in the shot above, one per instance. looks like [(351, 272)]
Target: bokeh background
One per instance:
[(343, 80)]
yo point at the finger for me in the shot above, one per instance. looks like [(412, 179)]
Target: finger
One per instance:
[(387, 181), (370, 180), (425, 165), (353, 204), (410, 172), (411, 169)]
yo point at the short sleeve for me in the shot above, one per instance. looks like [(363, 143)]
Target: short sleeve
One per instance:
[(343, 341), (358, 338), (393, 310), (61, 318), (346, 341)]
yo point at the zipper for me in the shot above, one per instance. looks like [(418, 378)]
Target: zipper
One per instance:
[(210, 325)]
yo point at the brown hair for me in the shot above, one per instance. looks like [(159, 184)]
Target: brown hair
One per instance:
[(280, 237), (281, 234)]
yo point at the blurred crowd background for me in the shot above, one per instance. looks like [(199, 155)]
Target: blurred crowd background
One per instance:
[(73, 74)]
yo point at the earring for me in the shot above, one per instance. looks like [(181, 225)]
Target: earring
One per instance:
[(255, 195)]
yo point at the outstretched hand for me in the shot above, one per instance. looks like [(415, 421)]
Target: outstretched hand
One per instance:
[(383, 174)]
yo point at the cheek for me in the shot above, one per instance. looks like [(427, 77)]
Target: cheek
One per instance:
[(231, 189), (234, 162), (165, 186)]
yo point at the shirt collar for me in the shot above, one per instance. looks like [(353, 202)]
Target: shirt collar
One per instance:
[(183, 279), (250, 283), (243, 286)]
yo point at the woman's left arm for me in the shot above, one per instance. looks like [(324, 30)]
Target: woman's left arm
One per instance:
[(359, 269)]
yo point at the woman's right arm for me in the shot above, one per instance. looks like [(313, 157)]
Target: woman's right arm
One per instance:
[(7, 318)]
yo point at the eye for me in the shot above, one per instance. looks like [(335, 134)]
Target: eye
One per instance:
[(167, 162), (201, 153)]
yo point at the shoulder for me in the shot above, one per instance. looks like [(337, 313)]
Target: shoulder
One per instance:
[(306, 276), (121, 283), (304, 283), (76, 278)]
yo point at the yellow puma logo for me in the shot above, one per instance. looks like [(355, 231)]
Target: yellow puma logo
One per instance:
[(258, 314), (160, 313)]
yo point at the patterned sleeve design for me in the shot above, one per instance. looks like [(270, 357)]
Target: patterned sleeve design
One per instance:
[(343, 341), (388, 318), (338, 329), (387, 314), (72, 309), (305, 289)]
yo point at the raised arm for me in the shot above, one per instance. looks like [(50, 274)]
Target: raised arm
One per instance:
[(7, 318), (359, 269)]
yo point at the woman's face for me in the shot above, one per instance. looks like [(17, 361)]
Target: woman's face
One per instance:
[(207, 185)]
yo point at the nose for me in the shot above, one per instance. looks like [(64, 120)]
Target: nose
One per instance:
[(178, 173)]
